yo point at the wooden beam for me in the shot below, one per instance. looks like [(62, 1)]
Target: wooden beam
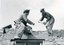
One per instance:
[(28, 40)]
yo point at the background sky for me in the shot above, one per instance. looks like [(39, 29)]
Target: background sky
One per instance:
[(11, 10)]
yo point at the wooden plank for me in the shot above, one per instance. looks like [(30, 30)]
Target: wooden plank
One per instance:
[(28, 40)]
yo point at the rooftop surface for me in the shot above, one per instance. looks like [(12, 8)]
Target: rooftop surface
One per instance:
[(58, 37)]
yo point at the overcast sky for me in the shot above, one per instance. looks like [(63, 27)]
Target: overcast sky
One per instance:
[(12, 10)]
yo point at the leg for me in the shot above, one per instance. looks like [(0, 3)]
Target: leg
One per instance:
[(49, 26), (28, 30), (49, 29), (19, 30)]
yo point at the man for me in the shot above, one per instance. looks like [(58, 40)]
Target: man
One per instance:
[(21, 24), (49, 22)]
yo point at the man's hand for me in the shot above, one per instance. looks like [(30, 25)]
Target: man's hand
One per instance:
[(33, 24), (39, 21), (44, 23)]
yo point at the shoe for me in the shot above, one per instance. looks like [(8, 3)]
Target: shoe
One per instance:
[(16, 37), (50, 34)]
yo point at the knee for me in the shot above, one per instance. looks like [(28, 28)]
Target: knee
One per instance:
[(47, 27)]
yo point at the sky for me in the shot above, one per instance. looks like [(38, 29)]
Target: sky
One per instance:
[(11, 10)]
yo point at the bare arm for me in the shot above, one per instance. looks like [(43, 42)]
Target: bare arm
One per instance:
[(42, 18), (30, 22)]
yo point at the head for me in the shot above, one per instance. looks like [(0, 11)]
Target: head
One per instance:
[(42, 10), (26, 12)]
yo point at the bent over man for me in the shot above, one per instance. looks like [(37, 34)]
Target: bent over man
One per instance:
[(49, 22)]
